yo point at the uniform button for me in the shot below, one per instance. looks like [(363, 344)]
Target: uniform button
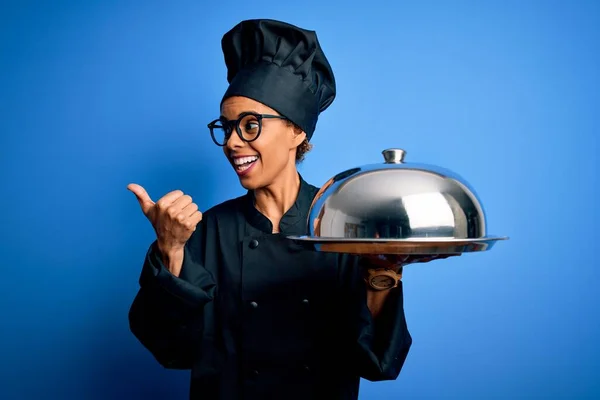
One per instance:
[(254, 304), (306, 368), (253, 244), (254, 373), (305, 302)]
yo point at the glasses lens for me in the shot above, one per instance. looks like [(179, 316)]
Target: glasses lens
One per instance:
[(250, 126), (219, 133)]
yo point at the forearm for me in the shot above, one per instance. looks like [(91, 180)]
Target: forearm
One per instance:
[(172, 259), (376, 301), (376, 298), (165, 327), (166, 315), (383, 342)]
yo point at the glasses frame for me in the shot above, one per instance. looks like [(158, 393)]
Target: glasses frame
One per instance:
[(222, 123)]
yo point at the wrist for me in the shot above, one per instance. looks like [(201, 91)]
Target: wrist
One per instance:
[(167, 250), (382, 279), (172, 258)]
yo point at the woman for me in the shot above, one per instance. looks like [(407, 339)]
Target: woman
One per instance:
[(224, 293)]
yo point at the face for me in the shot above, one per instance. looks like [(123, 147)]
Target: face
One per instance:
[(259, 163)]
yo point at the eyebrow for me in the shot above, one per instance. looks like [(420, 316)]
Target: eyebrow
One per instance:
[(240, 114)]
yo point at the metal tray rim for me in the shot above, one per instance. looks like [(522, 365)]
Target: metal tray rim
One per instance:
[(422, 240)]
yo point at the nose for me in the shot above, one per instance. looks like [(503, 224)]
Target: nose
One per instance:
[(234, 142)]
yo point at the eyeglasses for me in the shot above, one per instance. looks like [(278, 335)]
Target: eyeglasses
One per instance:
[(248, 127)]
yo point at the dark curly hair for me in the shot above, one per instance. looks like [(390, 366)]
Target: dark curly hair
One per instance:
[(303, 147)]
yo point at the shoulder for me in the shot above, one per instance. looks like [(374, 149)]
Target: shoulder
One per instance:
[(312, 188), (309, 189), (226, 215)]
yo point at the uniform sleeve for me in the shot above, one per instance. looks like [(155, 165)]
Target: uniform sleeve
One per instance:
[(381, 344), (166, 315)]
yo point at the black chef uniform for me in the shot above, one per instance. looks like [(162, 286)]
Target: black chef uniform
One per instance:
[(254, 315)]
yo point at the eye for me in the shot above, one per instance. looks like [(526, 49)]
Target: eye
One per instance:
[(251, 126)]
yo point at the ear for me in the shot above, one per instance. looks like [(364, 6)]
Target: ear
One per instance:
[(298, 138)]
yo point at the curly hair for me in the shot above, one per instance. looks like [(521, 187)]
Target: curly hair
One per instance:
[(303, 147)]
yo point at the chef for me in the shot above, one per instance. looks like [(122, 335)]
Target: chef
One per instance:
[(223, 292)]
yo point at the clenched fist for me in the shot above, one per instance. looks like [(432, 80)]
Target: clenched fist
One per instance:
[(174, 218)]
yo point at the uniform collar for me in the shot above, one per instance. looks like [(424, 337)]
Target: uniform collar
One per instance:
[(293, 222)]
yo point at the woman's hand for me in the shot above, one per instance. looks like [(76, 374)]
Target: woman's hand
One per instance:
[(397, 261), (174, 218)]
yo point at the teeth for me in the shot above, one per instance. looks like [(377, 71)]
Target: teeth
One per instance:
[(244, 160), (242, 168)]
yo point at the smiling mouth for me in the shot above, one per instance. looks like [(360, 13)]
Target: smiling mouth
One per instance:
[(243, 163)]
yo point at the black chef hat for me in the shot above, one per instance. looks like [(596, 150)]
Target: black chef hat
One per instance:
[(281, 66)]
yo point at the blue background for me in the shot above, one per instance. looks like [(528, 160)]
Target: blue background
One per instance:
[(95, 95)]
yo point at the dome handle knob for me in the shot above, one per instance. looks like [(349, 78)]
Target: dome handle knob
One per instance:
[(393, 156)]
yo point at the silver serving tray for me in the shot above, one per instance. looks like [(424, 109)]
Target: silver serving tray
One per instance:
[(412, 246)]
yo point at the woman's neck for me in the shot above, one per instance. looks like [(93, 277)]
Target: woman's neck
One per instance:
[(275, 200)]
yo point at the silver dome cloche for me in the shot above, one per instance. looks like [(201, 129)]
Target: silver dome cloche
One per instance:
[(397, 207)]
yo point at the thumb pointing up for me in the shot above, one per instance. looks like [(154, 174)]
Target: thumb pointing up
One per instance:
[(142, 196)]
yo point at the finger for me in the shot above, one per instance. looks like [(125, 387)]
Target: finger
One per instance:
[(399, 259), (182, 202), (168, 199), (189, 210), (412, 258), (194, 220), (417, 259), (176, 208), (142, 197), (182, 215)]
